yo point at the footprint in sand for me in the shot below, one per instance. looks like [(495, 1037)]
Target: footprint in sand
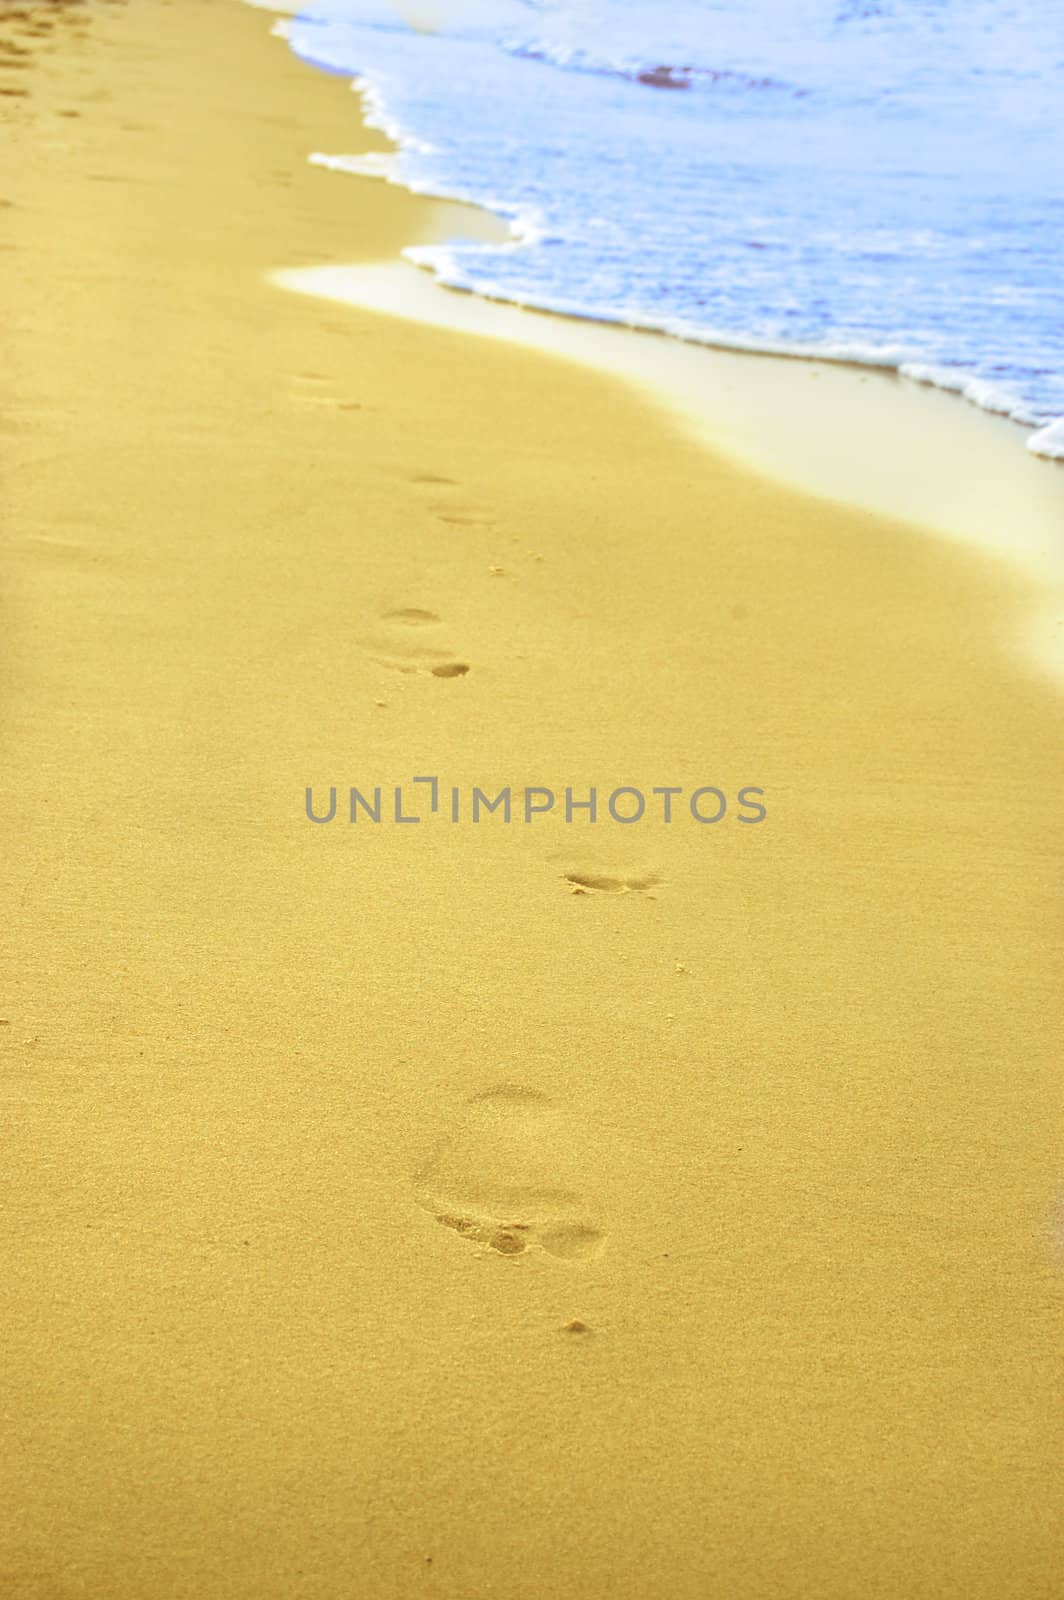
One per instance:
[(406, 640), (604, 883), (503, 1177), (411, 617), (459, 514), (312, 389), (456, 513), (462, 516)]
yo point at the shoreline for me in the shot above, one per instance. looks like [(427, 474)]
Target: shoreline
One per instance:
[(783, 416), (552, 1210), (507, 233)]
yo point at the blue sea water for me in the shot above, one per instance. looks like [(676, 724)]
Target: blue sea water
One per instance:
[(868, 180)]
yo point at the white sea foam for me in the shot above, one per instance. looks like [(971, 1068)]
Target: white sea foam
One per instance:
[(378, 164), (1049, 442)]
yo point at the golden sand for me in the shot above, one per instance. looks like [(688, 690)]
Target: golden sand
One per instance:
[(653, 1211)]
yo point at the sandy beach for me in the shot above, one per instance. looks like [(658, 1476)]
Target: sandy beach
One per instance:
[(652, 1210)]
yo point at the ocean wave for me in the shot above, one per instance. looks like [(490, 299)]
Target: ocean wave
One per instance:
[(868, 188)]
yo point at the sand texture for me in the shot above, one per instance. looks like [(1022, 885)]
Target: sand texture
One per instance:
[(653, 1211)]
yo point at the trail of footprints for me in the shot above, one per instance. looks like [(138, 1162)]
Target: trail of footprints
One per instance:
[(24, 34), (502, 1178), (408, 639)]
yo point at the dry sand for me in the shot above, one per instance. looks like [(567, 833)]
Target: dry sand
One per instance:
[(753, 1168)]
